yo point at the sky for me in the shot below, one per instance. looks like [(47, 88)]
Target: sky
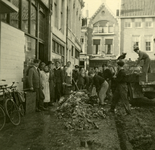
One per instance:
[(93, 5)]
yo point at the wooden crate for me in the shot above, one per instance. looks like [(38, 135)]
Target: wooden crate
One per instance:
[(30, 102)]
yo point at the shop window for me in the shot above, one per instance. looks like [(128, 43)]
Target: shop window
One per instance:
[(58, 48), (55, 47), (14, 17), (41, 25), (33, 20), (25, 15)]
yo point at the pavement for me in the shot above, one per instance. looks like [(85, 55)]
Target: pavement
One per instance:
[(44, 131)]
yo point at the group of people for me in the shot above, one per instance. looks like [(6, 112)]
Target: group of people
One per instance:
[(51, 81)]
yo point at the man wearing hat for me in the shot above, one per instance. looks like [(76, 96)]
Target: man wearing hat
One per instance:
[(121, 89), (145, 57)]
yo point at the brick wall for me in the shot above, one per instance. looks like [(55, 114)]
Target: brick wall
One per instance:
[(12, 54)]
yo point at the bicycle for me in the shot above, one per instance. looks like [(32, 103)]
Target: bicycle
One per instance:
[(10, 108), (18, 98)]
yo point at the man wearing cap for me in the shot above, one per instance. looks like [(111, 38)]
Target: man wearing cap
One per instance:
[(121, 89), (146, 58)]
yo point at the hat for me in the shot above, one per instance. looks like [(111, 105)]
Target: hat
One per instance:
[(76, 66), (136, 49), (120, 63)]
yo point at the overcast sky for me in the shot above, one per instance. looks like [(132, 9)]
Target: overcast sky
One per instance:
[(93, 5)]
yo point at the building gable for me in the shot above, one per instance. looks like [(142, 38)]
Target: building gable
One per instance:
[(103, 13)]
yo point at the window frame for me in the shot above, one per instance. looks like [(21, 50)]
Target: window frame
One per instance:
[(149, 26), (128, 26), (139, 23)]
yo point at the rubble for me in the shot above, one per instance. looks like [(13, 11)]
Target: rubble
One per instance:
[(79, 111)]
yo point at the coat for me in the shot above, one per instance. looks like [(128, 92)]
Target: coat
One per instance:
[(34, 78), (52, 84)]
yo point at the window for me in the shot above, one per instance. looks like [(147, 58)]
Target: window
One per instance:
[(33, 20), (111, 29), (53, 46), (148, 43), (30, 48), (148, 46), (108, 46), (149, 24), (56, 15), (62, 16), (96, 43), (76, 54), (72, 51), (14, 17), (25, 15), (58, 48), (41, 25), (127, 24), (138, 24), (95, 30), (135, 40)]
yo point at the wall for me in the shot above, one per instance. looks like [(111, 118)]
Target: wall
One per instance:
[(12, 54), (127, 40)]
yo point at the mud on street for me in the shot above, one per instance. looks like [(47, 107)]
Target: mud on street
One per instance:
[(44, 131)]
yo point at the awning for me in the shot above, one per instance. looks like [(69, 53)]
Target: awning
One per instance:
[(108, 41), (7, 7), (96, 42)]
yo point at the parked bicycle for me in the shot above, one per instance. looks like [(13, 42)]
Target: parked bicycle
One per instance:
[(8, 107)]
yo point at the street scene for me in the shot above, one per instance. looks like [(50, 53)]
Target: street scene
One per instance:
[(77, 74)]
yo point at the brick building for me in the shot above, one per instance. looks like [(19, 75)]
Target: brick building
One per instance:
[(137, 27), (105, 36)]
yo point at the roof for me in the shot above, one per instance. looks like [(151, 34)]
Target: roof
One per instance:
[(99, 9), (138, 8)]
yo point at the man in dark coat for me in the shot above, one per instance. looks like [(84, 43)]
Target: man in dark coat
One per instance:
[(145, 57), (59, 79), (35, 84), (75, 76), (121, 89)]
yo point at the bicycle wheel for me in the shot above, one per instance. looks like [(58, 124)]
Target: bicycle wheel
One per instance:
[(12, 111), (21, 110), (2, 118)]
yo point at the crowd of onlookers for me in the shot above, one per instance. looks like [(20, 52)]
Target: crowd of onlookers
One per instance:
[(51, 81)]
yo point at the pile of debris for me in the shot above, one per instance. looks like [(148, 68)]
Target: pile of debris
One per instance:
[(78, 111)]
